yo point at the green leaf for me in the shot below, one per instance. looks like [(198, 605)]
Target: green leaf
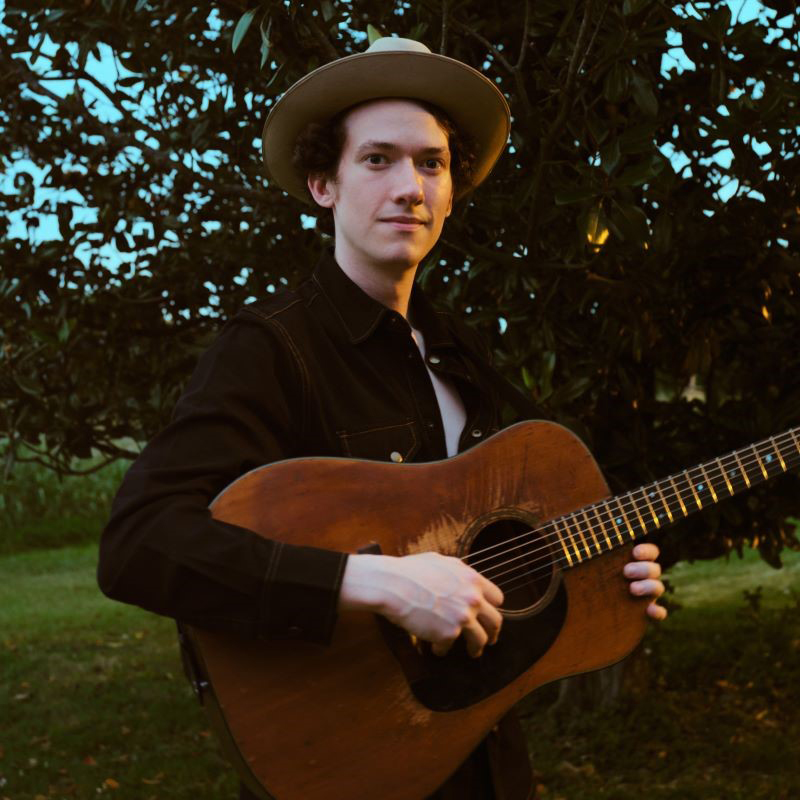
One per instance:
[(641, 173), (643, 95), (373, 34), (574, 194), (629, 221), (720, 21), (328, 11), (719, 85), (609, 157), (638, 139), (241, 28), (265, 42), (617, 83)]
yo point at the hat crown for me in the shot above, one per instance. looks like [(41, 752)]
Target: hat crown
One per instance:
[(388, 44)]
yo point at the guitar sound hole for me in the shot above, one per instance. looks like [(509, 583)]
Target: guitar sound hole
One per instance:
[(509, 553)]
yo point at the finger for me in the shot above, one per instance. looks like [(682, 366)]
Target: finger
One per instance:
[(646, 552), (491, 620), (441, 647), (491, 591), (475, 637), (639, 570), (647, 588), (655, 611)]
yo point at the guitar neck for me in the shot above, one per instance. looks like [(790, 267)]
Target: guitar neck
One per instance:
[(625, 518)]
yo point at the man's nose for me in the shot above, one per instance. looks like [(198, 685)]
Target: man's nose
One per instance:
[(408, 183)]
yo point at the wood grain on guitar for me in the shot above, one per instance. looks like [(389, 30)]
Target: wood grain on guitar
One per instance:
[(371, 716)]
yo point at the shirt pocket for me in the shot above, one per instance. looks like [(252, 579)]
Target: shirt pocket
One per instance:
[(383, 443)]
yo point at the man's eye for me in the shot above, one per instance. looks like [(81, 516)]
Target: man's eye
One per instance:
[(376, 158), (434, 163)]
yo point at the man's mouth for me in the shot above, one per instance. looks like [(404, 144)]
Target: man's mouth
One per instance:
[(405, 223)]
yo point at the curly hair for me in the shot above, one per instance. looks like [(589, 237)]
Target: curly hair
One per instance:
[(318, 150)]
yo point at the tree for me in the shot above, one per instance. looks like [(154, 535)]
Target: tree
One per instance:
[(639, 237)]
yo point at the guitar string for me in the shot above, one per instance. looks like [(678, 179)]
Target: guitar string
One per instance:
[(550, 544), (623, 501), (547, 563), (626, 502)]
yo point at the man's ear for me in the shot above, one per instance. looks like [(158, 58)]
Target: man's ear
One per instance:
[(322, 190), (449, 205)]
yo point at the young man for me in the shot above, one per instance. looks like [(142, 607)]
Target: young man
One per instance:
[(353, 363)]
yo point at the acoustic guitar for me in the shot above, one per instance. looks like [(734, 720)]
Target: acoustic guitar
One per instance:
[(375, 715)]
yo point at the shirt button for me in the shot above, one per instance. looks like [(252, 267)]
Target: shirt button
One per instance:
[(434, 360), (477, 433), (396, 457), (430, 425), (295, 631)]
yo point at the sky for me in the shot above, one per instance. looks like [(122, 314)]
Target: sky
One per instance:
[(107, 70)]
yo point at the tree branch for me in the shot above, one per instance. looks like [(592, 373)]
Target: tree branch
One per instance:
[(523, 47), (445, 22), (320, 36), (579, 55)]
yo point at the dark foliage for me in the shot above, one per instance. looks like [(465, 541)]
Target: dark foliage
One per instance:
[(623, 278)]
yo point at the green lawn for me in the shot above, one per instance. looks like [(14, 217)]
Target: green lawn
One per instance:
[(93, 701)]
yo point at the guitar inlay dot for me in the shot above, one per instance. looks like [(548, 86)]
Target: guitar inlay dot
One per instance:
[(619, 520), (768, 459), (700, 487)]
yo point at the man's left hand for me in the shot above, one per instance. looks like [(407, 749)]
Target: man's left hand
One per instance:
[(644, 573)]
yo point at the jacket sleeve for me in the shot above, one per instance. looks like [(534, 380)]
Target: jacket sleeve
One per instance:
[(162, 550)]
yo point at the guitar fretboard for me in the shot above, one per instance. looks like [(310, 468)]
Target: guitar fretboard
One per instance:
[(603, 526)]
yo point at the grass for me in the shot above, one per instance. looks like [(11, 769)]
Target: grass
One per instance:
[(93, 697), (93, 701)]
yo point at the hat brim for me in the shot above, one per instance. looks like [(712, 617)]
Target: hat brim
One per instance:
[(473, 102)]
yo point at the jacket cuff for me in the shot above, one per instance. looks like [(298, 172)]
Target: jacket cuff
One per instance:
[(301, 593)]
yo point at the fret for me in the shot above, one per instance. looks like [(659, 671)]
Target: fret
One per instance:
[(741, 467), (768, 459), (691, 486), (760, 462), (613, 522), (794, 439), (578, 536), (561, 542), (602, 527), (777, 452), (572, 540), (710, 485), (663, 500), (635, 505), (678, 493), (650, 506), (725, 475), (591, 530), (625, 518)]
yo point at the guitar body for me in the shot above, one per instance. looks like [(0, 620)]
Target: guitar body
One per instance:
[(371, 715)]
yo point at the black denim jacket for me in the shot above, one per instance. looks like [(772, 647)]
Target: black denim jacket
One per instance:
[(323, 370)]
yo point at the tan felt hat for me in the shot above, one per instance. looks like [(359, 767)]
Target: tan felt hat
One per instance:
[(391, 67)]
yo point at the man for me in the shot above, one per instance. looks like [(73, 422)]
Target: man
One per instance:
[(352, 363)]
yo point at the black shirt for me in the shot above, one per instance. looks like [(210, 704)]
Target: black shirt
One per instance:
[(323, 370)]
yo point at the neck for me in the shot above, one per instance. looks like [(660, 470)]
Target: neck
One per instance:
[(389, 284)]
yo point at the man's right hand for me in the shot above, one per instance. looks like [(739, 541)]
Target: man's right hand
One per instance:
[(437, 598)]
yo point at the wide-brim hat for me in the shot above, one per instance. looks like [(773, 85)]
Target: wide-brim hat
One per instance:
[(391, 67)]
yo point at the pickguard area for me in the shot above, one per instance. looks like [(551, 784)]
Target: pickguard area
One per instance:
[(456, 681)]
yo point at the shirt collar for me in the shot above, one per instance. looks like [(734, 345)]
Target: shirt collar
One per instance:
[(360, 315)]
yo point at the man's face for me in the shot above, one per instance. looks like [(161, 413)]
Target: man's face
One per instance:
[(393, 189)]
